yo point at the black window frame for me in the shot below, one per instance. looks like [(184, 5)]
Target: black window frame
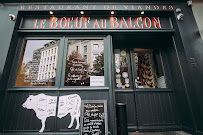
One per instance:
[(60, 71), (133, 71)]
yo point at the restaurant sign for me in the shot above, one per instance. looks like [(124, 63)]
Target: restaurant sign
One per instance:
[(95, 22), (132, 7)]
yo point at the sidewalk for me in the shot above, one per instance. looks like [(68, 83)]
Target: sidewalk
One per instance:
[(160, 133)]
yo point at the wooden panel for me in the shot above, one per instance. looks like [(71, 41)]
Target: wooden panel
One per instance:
[(155, 109), (16, 118), (128, 99), (62, 124)]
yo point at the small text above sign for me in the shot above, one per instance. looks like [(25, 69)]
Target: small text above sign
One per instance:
[(96, 22), (96, 7)]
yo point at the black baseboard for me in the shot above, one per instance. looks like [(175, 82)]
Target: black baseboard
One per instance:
[(132, 128), (191, 131), (199, 132), (159, 128), (188, 130)]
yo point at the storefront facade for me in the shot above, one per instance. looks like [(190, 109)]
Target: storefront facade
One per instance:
[(56, 54)]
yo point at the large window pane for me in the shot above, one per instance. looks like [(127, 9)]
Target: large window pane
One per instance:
[(38, 63), (149, 69), (121, 69), (84, 66)]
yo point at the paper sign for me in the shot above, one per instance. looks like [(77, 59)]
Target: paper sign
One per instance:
[(126, 80), (118, 80), (96, 80)]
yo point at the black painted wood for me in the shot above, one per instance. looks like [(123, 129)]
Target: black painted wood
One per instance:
[(154, 108), (63, 123), (15, 118), (128, 99)]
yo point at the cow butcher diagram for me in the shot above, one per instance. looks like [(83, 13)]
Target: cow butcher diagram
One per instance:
[(45, 106)]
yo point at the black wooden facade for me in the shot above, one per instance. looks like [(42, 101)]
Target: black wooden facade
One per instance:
[(177, 107)]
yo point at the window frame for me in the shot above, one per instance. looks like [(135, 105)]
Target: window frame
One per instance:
[(60, 71), (19, 55), (106, 79)]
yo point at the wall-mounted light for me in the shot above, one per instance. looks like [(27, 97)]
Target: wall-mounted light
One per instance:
[(51, 12), (112, 12), (142, 13), (189, 2), (82, 12), (12, 17), (179, 14)]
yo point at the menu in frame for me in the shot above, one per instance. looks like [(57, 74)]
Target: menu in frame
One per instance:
[(94, 117)]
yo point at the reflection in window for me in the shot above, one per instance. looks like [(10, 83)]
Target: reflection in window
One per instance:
[(121, 69), (85, 49), (81, 69), (95, 47), (85, 57), (95, 57), (35, 56), (149, 69), (102, 47)]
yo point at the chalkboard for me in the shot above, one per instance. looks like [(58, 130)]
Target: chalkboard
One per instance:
[(93, 117)]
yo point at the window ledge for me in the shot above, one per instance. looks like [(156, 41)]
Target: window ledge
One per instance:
[(57, 89)]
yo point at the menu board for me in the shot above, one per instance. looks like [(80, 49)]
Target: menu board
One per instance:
[(94, 117)]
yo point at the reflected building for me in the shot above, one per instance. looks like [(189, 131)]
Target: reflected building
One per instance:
[(88, 49), (48, 61), (34, 64)]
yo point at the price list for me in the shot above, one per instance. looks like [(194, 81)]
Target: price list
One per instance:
[(93, 119)]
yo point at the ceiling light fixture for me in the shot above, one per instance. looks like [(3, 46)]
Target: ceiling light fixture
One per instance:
[(112, 12), (51, 12), (142, 13), (82, 12)]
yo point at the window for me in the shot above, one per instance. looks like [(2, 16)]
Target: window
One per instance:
[(76, 48), (54, 58), (102, 47), (85, 49), (54, 50), (85, 57), (79, 66), (95, 47), (29, 72), (148, 69), (50, 59), (94, 57), (53, 66), (121, 68), (81, 71)]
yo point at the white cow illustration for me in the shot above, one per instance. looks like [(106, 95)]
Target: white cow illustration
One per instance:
[(45, 106)]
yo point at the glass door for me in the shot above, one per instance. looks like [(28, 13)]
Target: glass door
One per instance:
[(139, 73)]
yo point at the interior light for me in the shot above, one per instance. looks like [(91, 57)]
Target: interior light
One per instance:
[(112, 12), (82, 12), (51, 12), (142, 13)]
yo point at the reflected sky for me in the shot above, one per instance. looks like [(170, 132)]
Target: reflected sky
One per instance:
[(31, 46)]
